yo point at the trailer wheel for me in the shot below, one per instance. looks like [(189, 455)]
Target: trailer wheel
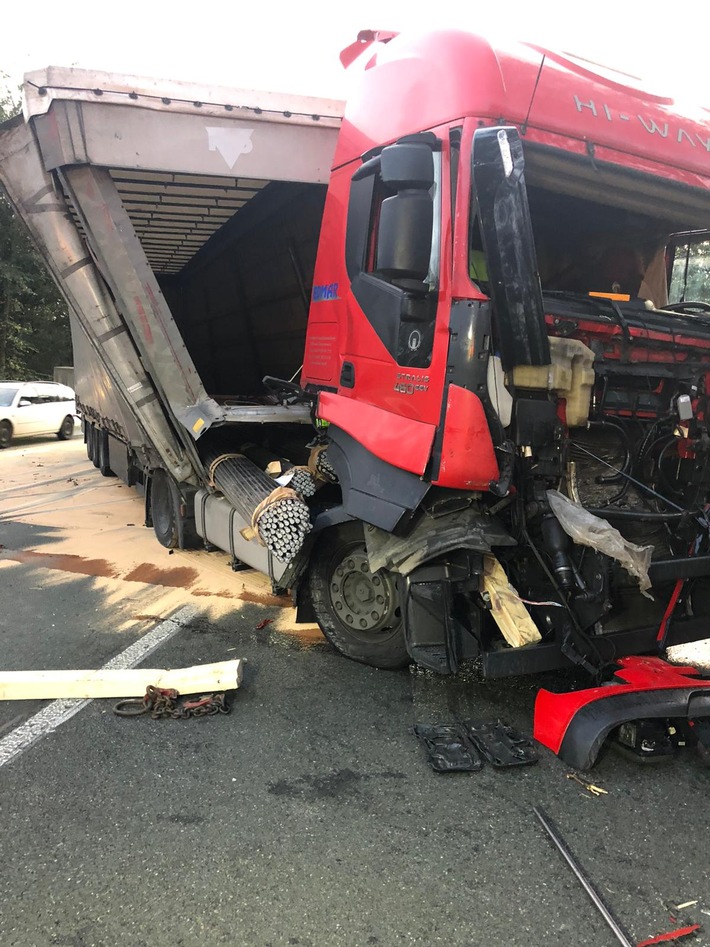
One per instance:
[(67, 429), (102, 457), (5, 434), (358, 611), (92, 444), (163, 511)]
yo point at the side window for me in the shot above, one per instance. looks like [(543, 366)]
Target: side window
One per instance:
[(379, 194), (690, 269), (392, 245), (30, 393)]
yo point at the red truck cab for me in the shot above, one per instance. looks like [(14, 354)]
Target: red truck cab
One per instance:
[(490, 322)]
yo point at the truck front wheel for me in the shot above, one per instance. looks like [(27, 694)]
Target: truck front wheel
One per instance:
[(358, 611)]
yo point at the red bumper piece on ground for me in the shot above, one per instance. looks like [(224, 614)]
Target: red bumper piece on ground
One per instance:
[(671, 935), (574, 725)]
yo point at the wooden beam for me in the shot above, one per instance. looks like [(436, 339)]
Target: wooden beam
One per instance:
[(509, 612), (131, 682)]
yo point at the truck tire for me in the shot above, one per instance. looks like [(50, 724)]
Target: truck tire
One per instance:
[(163, 510), (102, 458), (67, 429), (358, 612), (92, 443), (5, 434)]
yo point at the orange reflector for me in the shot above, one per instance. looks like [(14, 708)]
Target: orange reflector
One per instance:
[(617, 297)]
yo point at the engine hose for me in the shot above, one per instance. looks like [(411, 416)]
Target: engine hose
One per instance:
[(615, 477), (611, 514), (642, 486), (667, 486), (579, 631)]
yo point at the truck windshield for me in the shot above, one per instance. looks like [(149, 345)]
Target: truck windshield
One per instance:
[(7, 396), (610, 234)]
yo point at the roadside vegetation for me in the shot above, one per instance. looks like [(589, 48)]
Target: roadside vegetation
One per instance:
[(34, 321)]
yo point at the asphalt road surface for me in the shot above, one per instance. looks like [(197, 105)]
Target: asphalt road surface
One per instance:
[(308, 816)]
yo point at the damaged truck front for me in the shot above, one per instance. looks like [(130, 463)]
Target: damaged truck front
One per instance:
[(436, 360)]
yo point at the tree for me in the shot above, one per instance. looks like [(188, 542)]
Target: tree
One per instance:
[(34, 321)]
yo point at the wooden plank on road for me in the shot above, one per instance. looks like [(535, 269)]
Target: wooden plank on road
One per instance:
[(129, 682)]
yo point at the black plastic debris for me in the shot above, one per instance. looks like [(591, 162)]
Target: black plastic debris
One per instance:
[(499, 744), (448, 748)]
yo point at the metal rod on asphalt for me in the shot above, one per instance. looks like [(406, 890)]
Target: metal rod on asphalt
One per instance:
[(551, 830)]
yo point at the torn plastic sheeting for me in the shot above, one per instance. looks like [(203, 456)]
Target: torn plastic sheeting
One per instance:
[(432, 536), (589, 530)]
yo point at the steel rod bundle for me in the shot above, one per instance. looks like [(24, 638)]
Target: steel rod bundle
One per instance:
[(278, 515), (283, 525), (324, 468), (302, 481)]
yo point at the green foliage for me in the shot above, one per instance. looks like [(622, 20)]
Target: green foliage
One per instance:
[(34, 322), (9, 103)]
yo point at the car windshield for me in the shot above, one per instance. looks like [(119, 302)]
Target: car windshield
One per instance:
[(7, 396)]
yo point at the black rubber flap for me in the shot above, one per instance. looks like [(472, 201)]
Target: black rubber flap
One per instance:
[(499, 744), (448, 748)]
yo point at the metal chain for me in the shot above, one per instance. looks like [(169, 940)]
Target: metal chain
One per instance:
[(162, 702)]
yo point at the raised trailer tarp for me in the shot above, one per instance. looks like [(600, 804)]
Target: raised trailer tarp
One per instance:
[(122, 181)]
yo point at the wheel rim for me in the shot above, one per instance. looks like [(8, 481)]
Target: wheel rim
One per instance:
[(5, 433), (364, 602), (68, 427)]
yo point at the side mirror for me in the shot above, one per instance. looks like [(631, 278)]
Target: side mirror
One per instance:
[(403, 165), (404, 237), (500, 200), (23, 403), (407, 217), (408, 165)]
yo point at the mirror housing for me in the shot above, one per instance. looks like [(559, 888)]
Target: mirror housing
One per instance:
[(404, 236), (23, 403), (407, 217), (408, 165)]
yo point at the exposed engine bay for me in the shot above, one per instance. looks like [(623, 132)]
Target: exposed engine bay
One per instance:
[(618, 424)]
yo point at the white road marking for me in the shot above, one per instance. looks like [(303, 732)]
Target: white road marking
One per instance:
[(59, 711), (11, 723)]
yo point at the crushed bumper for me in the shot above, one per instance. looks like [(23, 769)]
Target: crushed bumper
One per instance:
[(574, 725)]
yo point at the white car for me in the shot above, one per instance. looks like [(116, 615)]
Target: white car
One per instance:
[(29, 408)]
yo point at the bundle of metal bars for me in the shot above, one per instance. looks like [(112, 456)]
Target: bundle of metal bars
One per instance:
[(278, 515)]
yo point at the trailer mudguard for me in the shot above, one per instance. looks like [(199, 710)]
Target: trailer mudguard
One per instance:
[(574, 725)]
